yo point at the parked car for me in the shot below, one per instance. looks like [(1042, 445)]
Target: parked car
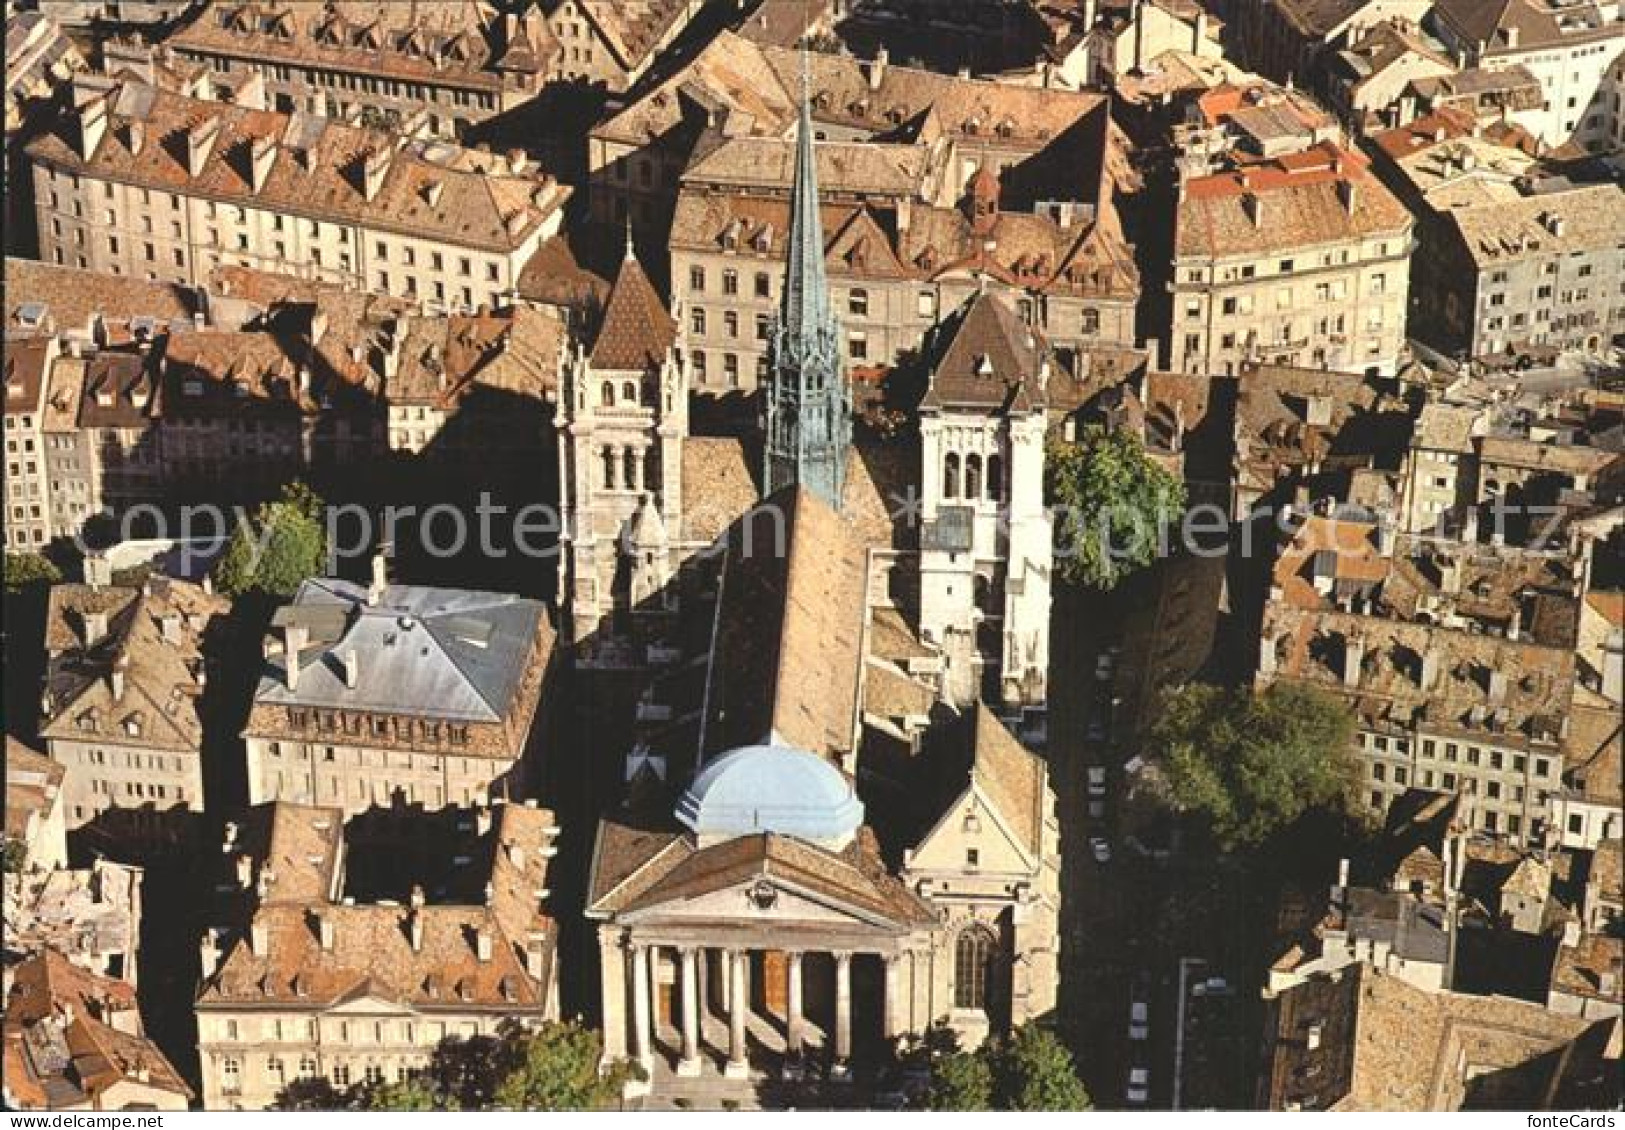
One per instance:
[(1212, 987), (1102, 850), (1139, 1021), (1139, 1085), (1096, 776)]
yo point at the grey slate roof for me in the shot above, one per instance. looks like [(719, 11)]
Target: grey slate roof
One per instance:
[(441, 653)]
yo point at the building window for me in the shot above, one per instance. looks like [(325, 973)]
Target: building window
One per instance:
[(973, 476), (1091, 321), (697, 363), (730, 281), (231, 1075), (696, 280), (995, 478), (973, 954), (857, 303), (950, 475), (696, 322), (730, 369), (764, 286)]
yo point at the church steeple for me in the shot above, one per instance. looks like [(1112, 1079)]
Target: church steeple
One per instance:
[(808, 401)]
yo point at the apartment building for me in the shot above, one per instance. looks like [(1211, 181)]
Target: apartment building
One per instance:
[(145, 183), (1568, 45), (34, 806), (335, 968), (1048, 145), (1302, 259), (28, 505), (612, 43), (378, 693), (1457, 659), (121, 710), (1287, 40), (442, 65)]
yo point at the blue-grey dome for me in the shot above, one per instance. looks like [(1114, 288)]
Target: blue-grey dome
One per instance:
[(765, 788)]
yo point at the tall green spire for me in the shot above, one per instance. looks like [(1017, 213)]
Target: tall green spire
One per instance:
[(807, 399)]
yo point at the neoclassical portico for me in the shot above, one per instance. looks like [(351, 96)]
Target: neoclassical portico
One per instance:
[(733, 947)]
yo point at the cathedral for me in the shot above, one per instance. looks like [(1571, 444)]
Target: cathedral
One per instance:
[(830, 839)]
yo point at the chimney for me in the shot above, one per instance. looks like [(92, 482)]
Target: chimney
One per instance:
[(352, 668), (200, 140), (326, 930), (98, 572), (1449, 575), (92, 126), (877, 69), (1349, 194), (95, 627), (135, 137), (245, 871), (294, 638), (262, 159), (318, 327), (209, 954), (170, 623), (116, 679), (1254, 206), (516, 853), (1497, 685), (1353, 654), (380, 578), (1431, 659), (482, 944), (259, 937), (1343, 874), (535, 954), (374, 167)]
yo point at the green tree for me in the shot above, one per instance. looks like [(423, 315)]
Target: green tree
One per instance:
[(410, 1095), (13, 855), (1033, 1070), (24, 570), (311, 1094), (1253, 763), (960, 1081), (556, 1068), (1111, 501), (284, 544)]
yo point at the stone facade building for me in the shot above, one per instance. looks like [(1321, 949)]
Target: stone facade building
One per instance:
[(754, 926), (27, 492), (1457, 659), (126, 670), (623, 417), (144, 183), (304, 980), (612, 44), (438, 65), (1569, 48), (986, 540), (383, 693), (1303, 259), (34, 806)]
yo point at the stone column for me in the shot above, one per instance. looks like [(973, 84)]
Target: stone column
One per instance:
[(793, 1024), (894, 1022), (843, 1015), (642, 1047), (690, 1063), (738, 1066), (612, 975)]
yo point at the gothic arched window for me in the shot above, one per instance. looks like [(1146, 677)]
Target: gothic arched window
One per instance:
[(973, 476), (950, 475), (629, 392), (651, 469), (606, 395), (630, 459), (973, 959), (995, 477), (609, 468)]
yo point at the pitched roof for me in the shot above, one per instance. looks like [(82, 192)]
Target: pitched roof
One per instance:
[(636, 331), (153, 641), (988, 358), (791, 602), (1014, 780), (33, 782), (430, 190), (458, 655), (1384, 1044)]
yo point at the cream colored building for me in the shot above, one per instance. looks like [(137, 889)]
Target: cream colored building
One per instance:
[(27, 492), (125, 672), (306, 982), (1303, 260), (611, 43), (381, 694), (34, 806), (148, 184), (444, 64)]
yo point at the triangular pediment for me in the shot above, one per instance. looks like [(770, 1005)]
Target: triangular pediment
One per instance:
[(368, 1002), (763, 899)]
